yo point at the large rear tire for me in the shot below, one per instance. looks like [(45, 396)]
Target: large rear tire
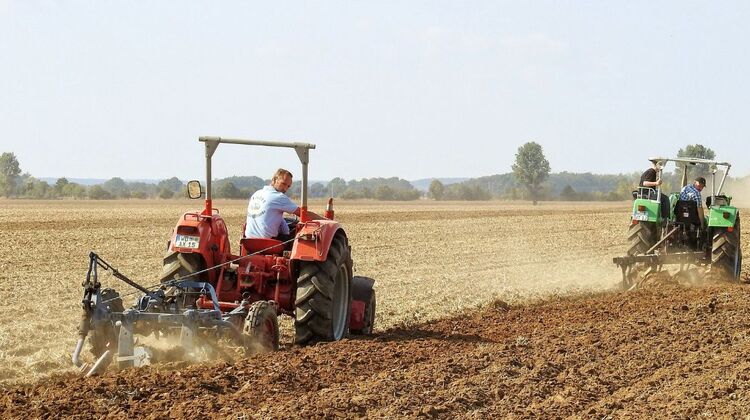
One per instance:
[(726, 252), (178, 265), (261, 329), (324, 296), (106, 334), (641, 237)]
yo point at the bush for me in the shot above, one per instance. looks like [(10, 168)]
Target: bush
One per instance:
[(96, 192), (166, 193)]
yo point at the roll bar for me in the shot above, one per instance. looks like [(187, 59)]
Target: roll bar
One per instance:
[(685, 161), (302, 149)]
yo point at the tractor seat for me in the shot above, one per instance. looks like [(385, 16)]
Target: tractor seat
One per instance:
[(268, 246), (686, 211)]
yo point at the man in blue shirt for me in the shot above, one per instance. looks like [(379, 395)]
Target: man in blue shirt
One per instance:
[(692, 192), (265, 211)]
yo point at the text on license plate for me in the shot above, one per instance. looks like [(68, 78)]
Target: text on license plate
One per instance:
[(641, 216), (185, 241)]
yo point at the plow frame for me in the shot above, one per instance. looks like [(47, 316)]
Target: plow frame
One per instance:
[(150, 315)]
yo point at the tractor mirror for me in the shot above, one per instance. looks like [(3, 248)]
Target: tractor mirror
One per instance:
[(194, 189)]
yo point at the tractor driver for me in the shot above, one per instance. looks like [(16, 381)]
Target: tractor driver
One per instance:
[(265, 211), (649, 180), (692, 192)]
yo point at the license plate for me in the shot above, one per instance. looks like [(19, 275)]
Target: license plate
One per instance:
[(185, 241), (641, 216)]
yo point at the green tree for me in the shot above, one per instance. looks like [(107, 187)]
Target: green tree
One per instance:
[(96, 192), (568, 193), (74, 190), (436, 189), (625, 189), (173, 184), (229, 190), (165, 193), (695, 151), (142, 190), (60, 185), (10, 170), (407, 195), (531, 169), (350, 194), (117, 188), (384, 193), (317, 190), (336, 186), (35, 188)]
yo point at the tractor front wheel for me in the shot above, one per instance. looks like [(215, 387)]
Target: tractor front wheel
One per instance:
[(324, 296), (261, 330), (726, 252)]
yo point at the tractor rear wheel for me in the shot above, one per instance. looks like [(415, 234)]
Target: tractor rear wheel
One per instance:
[(641, 237), (261, 329), (106, 333), (726, 252), (324, 296), (178, 265)]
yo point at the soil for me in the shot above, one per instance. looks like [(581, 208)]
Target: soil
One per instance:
[(664, 350), (442, 348)]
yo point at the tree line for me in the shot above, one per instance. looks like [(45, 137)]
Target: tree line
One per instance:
[(14, 183), (530, 179)]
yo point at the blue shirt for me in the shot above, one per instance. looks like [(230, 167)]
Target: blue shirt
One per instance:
[(690, 193), (265, 213)]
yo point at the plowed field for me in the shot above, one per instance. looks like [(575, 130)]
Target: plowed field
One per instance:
[(442, 347)]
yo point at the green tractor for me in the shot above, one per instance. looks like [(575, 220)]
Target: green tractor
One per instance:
[(683, 238)]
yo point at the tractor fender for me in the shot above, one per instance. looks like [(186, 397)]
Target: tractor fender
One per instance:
[(723, 216), (214, 238), (362, 288), (314, 240)]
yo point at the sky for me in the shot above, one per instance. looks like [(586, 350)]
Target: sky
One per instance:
[(414, 89)]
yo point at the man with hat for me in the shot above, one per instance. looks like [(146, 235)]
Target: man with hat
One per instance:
[(692, 192), (649, 179)]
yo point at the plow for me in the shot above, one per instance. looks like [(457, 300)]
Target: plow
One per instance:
[(208, 295), (697, 247)]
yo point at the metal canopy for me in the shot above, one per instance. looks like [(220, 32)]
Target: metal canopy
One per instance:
[(685, 161), (302, 149), (689, 160)]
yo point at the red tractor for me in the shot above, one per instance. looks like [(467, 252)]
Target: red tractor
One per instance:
[(208, 289)]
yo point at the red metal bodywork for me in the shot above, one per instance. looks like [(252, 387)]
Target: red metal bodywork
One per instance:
[(318, 235), (268, 275), (357, 315), (214, 244)]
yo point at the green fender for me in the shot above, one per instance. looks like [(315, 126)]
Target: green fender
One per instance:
[(645, 210), (722, 216)]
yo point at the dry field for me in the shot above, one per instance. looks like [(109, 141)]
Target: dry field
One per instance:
[(445, 346), (429, 259)]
